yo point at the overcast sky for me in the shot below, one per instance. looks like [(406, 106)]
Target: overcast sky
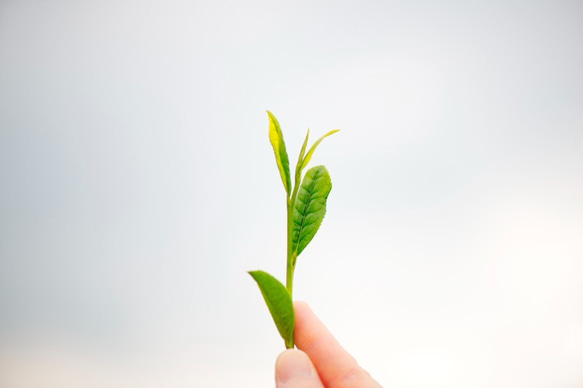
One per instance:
[(137, 187)]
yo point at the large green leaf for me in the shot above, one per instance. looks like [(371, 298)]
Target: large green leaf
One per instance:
[(276, 140), (310, 207), (279, 304)]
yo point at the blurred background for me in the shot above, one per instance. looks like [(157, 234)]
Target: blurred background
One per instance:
[(138, 185)]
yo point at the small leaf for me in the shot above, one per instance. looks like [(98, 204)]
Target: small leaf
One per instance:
[(313, 148), (303, 150), (276, 139), (301, 158), (279, 304), (310, 207)]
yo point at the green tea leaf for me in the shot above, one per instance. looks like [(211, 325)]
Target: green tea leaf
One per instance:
[(301, 156), (310, 207), (276, 139), (313, 148), (279, 304)]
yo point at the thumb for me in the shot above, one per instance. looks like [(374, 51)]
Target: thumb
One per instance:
[(293, 369)]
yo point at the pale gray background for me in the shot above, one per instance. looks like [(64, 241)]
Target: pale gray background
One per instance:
[(137, 186)]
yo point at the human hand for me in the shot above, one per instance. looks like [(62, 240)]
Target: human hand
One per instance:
[(320, 361)]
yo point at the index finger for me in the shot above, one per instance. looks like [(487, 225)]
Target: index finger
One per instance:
[(336, 367)]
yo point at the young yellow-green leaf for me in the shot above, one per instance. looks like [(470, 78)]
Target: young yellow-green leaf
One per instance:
[(301, 158), (276, 140), (279, 304), (313, 148), (310, 207)]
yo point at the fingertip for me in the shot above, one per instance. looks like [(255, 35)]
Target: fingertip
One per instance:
[(291, 364), (333, 363), (293, 368), (301, 308), (301, 304)]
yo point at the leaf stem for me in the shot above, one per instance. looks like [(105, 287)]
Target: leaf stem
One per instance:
[(291, 253), (289, 277)]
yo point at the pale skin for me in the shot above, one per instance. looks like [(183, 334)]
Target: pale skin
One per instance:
[(319, 361)]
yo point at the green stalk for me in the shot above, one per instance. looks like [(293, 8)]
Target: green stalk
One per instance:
[(291, 259), (291, 255), (289, 278)]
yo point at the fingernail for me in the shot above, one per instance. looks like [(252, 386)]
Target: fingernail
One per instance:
[(292, 364)]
